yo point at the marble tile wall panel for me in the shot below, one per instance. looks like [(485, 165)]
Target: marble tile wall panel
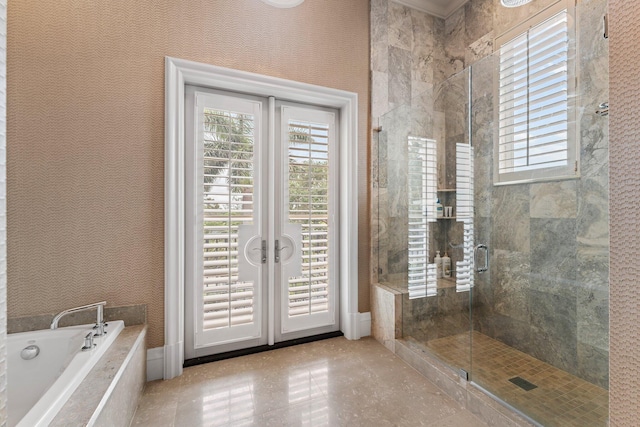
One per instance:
[(380, 36), (482, 185), (593, 317), (593, 364), (400, 26), (398, 252), (554, 199), (379, 95), (399, 76), (422, 114), (553, 256), (374, 226), (482, 131), (478, 20), (443, 65), (510, 277), (422, 47), (382, 241), (386, 315), (593, 212), (131, 314), (510, 210), (553, 320), (454, 30)]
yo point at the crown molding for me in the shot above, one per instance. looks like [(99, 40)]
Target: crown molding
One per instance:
[(436, 8)]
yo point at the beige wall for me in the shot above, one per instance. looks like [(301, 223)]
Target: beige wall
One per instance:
[(624, 153), (86, 130), (3, 215)]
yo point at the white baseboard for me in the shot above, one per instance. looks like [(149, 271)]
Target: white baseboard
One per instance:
[(155, 356), (155, 363), (364, 324)]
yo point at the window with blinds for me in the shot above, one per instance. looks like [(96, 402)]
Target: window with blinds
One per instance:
[(308, 205), (535, 137), (422, 180), (228, 203)]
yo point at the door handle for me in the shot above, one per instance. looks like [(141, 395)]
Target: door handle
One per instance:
[(278, 250), (476, 252)]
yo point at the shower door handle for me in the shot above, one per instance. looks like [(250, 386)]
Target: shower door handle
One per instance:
[(476, 252)]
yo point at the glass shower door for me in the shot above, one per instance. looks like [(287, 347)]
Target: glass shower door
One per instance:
[(424, 157), (540, 313)]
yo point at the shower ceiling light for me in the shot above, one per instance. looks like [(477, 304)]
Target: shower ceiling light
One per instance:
[(283, 3), (514, 3)]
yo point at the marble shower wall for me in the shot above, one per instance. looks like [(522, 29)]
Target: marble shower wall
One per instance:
[(407, 58), (547, 292)]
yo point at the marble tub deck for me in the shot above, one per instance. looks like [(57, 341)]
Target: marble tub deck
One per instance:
[(334, 382)]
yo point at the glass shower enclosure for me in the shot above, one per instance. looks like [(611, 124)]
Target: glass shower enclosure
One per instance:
[(522, 312)]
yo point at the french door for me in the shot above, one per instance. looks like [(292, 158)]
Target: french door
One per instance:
[(261, 239)]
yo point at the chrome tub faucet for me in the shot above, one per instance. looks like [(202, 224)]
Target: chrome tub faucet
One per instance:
[(99, 306)]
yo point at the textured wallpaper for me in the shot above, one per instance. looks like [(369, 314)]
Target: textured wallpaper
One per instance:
[(86, 130), (625, 216), (3, 213)]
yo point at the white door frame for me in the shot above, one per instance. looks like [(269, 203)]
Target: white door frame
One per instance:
[(178, 73)]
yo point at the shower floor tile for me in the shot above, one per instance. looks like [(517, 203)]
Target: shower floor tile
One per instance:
[(560, 399)]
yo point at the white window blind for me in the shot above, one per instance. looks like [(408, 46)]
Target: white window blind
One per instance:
[(422, 199), (228, 203), (535, 85)]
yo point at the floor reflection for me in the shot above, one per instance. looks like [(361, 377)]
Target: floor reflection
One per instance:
[(306, 385), (232, 401), (325, 383)]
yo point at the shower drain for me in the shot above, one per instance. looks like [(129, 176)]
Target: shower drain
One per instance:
[(523, 384)]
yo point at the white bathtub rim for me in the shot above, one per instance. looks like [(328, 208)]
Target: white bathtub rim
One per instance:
[(45, 410)]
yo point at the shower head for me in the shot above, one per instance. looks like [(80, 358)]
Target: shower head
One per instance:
[(514, 3)]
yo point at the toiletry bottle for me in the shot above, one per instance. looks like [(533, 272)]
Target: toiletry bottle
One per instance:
[(446, 265), (438, 262), (439, 209)]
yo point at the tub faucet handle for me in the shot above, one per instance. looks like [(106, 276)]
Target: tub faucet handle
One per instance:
[(88, 342), (99, 328)]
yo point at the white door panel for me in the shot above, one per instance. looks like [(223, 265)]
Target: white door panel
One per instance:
[(307, 140)]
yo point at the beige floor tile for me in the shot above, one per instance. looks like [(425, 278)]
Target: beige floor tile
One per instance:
[(461, 419), (333, 382)]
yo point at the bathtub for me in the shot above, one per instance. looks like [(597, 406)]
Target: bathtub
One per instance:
[(39, 387)]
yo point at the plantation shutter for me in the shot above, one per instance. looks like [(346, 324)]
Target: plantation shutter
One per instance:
[(534, 89), (227, 152), (422, 198), (309, 197)]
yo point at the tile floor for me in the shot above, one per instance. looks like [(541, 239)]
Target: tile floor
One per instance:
[(333, 382), (559, 400)]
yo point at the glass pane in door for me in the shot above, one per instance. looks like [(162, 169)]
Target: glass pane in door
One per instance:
[(310, 298), (228, 295), (227, 204)]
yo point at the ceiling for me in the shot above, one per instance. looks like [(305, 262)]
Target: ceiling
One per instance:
[(439, 8)]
